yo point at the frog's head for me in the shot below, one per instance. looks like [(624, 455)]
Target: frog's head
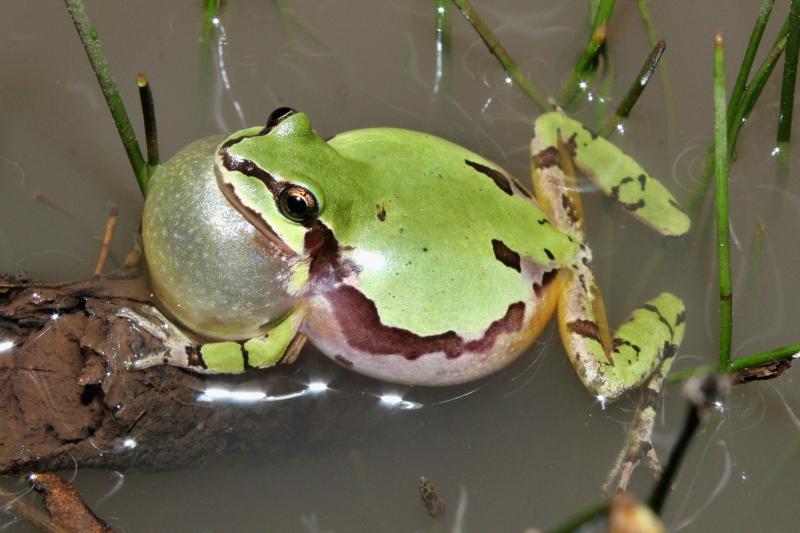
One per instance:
[(267, 174)]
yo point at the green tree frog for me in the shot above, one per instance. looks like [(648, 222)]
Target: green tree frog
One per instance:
[(400, 255)]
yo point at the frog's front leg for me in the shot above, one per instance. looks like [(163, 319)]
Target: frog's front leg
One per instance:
[(281, 341)]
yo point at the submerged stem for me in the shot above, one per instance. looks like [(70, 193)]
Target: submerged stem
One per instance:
[(508, 64), (150, 130), (574, 523), (789, 76), (662, 488), (91, 45), (596, 41), (635, 90), (749, 56), (748, 101), (721, 206)]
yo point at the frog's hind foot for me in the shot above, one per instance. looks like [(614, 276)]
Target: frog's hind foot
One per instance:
[(638, 442), (176, 349)]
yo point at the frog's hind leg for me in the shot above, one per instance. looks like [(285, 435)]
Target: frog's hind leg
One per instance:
[(644, 346), (608, 365), (281, 342)]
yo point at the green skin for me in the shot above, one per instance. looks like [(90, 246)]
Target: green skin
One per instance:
[(398, 254)]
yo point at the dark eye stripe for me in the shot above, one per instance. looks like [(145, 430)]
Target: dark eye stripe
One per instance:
[(245, 166)]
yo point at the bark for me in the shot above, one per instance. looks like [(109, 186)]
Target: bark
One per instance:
[(67, 397)]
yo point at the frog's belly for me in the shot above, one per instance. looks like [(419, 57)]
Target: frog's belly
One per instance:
[(345, 326)]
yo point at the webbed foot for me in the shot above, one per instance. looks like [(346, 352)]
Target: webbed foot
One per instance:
[(175, 345)]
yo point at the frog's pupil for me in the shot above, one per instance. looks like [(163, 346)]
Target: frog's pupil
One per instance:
[(297, 204)]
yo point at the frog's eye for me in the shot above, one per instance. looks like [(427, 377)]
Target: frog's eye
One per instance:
[(298, 203), (278, 116)]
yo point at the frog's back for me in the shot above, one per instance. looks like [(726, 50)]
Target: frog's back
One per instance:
[(452, 260)]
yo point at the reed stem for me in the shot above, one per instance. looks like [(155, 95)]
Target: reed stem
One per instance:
[(721, 159), (749, 56), (150, 130), (91, 45), (596, 41), (789, 77), (635, 90)]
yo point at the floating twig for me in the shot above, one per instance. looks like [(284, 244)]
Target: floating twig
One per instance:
[(784, 353), (635, 91), (65, 505), (596, 41), (91, 45), (149, 115), (497, 49), (17, 505), (107, 236), (721, 160)]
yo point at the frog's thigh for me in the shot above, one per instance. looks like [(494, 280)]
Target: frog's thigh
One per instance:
[(608, 366)]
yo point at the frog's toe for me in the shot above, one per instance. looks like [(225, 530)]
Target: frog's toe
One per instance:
[(173, 346)]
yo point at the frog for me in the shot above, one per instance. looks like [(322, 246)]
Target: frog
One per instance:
[(398, 254)]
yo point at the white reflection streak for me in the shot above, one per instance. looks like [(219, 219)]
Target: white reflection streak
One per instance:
[(223, 72), (688, 493), (115, 488), (437, 80), (789, 410), (693, 143), (218, 394), (726, 477), (395, 400), (10, 523), (6, 346), (18, 167), (527, 370), (461, 510), (760, 404)]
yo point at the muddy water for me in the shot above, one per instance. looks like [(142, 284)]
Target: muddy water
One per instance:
[(527, 447)]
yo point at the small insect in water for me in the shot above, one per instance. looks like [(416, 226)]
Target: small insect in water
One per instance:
[(433, 503)]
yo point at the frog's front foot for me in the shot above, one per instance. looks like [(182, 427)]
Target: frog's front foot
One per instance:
[(175, 347)]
